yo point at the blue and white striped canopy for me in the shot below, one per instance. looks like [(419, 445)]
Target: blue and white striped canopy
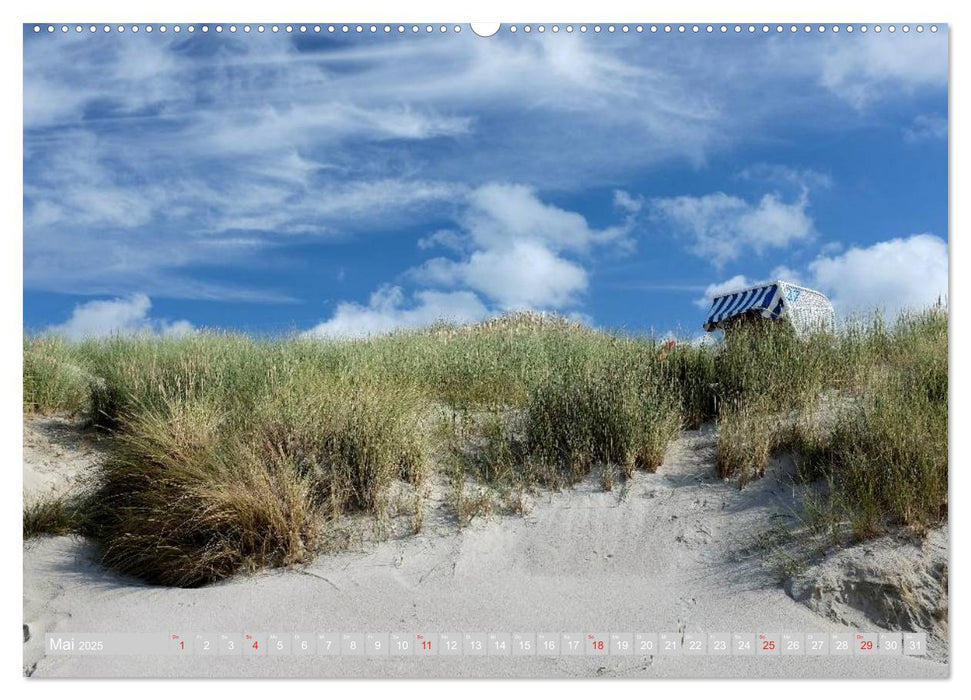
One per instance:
[(767, 300)]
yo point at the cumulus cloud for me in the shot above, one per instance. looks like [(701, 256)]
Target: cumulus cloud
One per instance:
[(894, 275), (513, 252), (891, 276), (388, 310), (518, 275), (721, 228), (719, 288), (499, 213), (782, 272), (519, 248), (124, 316), (788, 274)]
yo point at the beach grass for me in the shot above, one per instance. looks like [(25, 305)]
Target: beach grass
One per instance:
[(230, 452), (883, 455), (53, 515), (55, 378)]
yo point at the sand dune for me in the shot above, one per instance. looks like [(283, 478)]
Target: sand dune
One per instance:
[(57, 455), (665, 553)]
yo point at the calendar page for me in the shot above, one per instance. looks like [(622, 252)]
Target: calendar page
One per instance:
[(519, 350)]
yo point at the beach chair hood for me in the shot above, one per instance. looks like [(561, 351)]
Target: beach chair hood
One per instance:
[(805, 309)]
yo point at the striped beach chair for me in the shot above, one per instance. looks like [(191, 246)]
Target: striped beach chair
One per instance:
[(805, 309)]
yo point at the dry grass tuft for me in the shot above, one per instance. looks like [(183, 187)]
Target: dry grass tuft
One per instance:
[(54, 515)]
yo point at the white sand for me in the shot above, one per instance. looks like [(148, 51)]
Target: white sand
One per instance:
[(660, 557), (57, 456)]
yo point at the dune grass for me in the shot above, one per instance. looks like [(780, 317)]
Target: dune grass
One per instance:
[(883, 455), (618, 413), (231, 452), (55, 378), (54, 515)]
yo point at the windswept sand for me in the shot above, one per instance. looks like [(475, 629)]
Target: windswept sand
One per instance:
[(57, 456), (663, 554)]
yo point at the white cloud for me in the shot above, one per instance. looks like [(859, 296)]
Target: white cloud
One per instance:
[(782, 272), (626, 201), (521, 275), (719, 288), (514, 252), (274, 139), (48, 102), (387, 311), (80, 188), (125, 316), (787, 274), (135, 235), (444, 238), (132, 74), (721, 228), (365, 200), (174, 328), (926, 127), (143, 161), (894, 275), (500, 213), (801, 178), (269, 129), (518, 250), (866, 68), (281, 207)]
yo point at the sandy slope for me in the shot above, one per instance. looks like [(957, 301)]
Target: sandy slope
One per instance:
[(663, 555), (57, 456)]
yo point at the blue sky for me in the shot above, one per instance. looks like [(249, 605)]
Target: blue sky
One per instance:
[(346, 185)]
